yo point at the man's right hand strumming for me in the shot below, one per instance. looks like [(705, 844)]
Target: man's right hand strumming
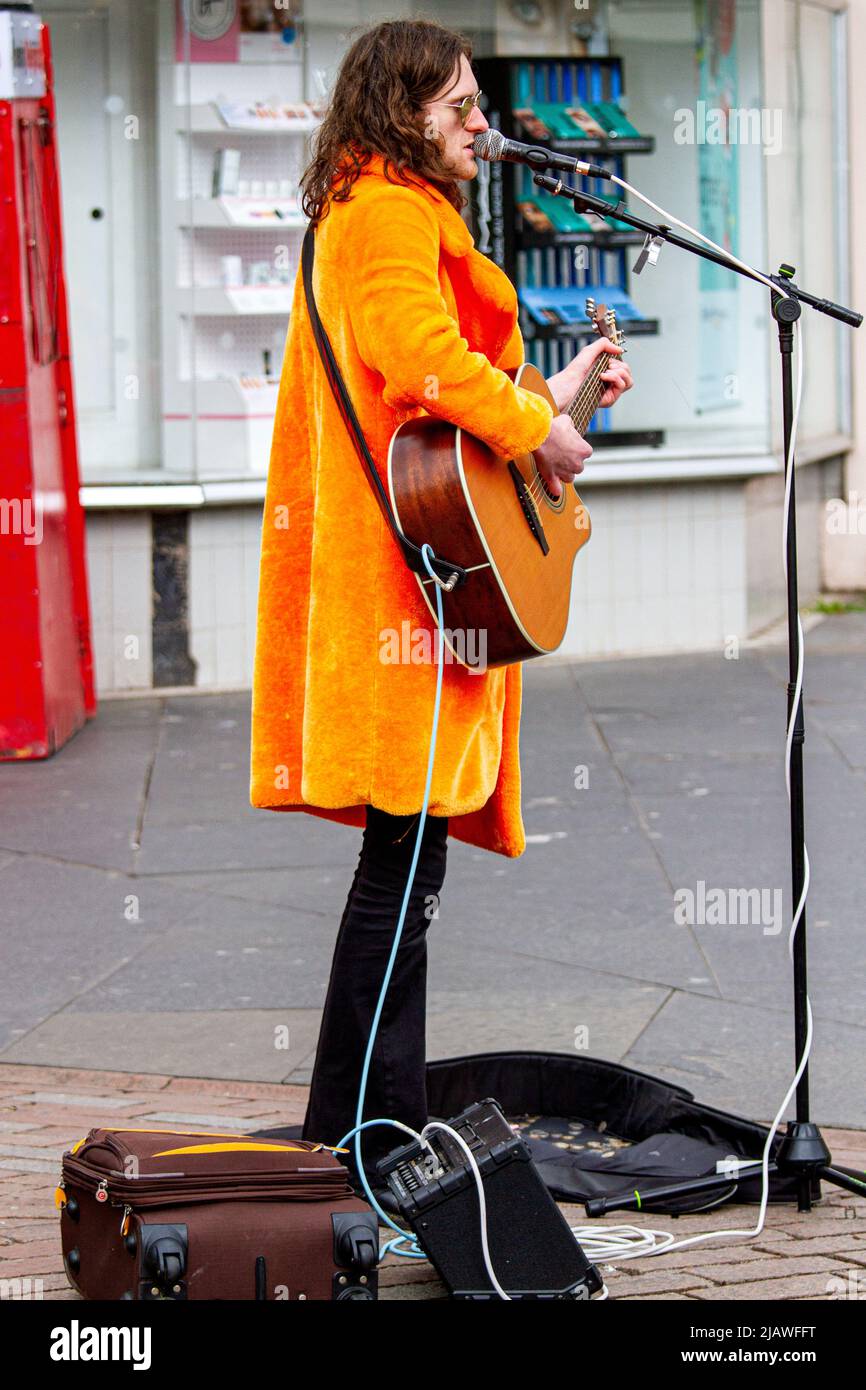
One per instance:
[(562, 455)]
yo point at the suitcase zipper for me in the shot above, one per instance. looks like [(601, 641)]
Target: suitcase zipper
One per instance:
[(207, 1181), (189, 1134), (152, 1191), (251, 1146), (122, 1153)]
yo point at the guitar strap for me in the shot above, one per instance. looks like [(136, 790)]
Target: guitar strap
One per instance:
[(445, 569)]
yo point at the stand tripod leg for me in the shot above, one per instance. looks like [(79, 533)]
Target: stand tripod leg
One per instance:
[(843, 1178)]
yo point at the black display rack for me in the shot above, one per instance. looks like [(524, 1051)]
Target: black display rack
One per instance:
[(532, 257)]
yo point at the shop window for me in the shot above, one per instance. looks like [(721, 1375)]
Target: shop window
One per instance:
[(184, 126)]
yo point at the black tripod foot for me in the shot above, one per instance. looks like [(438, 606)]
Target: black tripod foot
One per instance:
[(803, 1154)]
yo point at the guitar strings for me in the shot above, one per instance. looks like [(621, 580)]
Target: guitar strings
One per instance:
[(580, 412)]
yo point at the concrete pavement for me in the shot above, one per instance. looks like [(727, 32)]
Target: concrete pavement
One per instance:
[(153, 922)]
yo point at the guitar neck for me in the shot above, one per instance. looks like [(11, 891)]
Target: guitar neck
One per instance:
[(585, 403)]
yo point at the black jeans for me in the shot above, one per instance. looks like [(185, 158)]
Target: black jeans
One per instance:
[(396, 1083)]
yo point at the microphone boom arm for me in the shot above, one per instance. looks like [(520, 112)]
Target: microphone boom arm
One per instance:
[(620, 211)]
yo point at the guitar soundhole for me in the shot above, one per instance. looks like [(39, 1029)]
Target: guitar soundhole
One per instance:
[(540, 489)]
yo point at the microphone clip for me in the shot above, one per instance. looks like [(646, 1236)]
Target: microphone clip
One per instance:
[(650, 251)]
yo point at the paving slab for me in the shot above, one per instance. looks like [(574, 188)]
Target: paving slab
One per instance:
[(245, 1044), (68, 927), (741, 1058), (224, 955), (84, 805)]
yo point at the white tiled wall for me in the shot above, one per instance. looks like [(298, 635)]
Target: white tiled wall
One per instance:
[(664, 570), (223, 580), (668, 567), (765, 575), (121, 604)]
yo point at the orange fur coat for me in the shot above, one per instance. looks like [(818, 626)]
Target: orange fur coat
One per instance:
[(420, 322)]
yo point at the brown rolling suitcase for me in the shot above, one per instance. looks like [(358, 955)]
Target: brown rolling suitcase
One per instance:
[(156, 1214)]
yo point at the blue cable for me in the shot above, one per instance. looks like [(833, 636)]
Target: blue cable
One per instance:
[(413, 1251)]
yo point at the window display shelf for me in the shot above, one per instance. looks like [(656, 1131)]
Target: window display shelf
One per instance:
[(239, 212), (546, 248), (527, 239), (231, 396), (227, 286), (227, 301), (213, 118), (644, 144), (585, 331), (226, 424)]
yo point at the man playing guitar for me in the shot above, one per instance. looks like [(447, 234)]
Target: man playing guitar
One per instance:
[(422, 325)]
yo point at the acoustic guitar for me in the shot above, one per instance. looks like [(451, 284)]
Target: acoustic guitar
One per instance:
[(500, 521)]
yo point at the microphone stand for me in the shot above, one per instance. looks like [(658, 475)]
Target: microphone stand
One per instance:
[(801, 1153)]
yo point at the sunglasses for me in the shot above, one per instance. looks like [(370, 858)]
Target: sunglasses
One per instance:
[(465, 107)]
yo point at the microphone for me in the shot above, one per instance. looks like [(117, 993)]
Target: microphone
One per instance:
[(492, 145)]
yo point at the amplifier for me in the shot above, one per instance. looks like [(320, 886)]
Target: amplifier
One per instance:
[(532, 1249)]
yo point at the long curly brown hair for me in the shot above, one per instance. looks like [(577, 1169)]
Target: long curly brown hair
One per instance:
[(385, 78)]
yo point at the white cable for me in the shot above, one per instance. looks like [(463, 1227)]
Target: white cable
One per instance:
[(620, 1240), (482, 1201), (729, 255)]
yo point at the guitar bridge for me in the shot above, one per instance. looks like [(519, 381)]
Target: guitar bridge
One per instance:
[(527, 507)]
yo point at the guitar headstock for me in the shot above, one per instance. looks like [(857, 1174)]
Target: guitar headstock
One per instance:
[(604, 322)]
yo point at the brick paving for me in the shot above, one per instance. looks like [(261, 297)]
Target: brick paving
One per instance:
[(815, 1255)]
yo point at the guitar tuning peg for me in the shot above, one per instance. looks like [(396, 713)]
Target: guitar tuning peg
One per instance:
[(590, 308)]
